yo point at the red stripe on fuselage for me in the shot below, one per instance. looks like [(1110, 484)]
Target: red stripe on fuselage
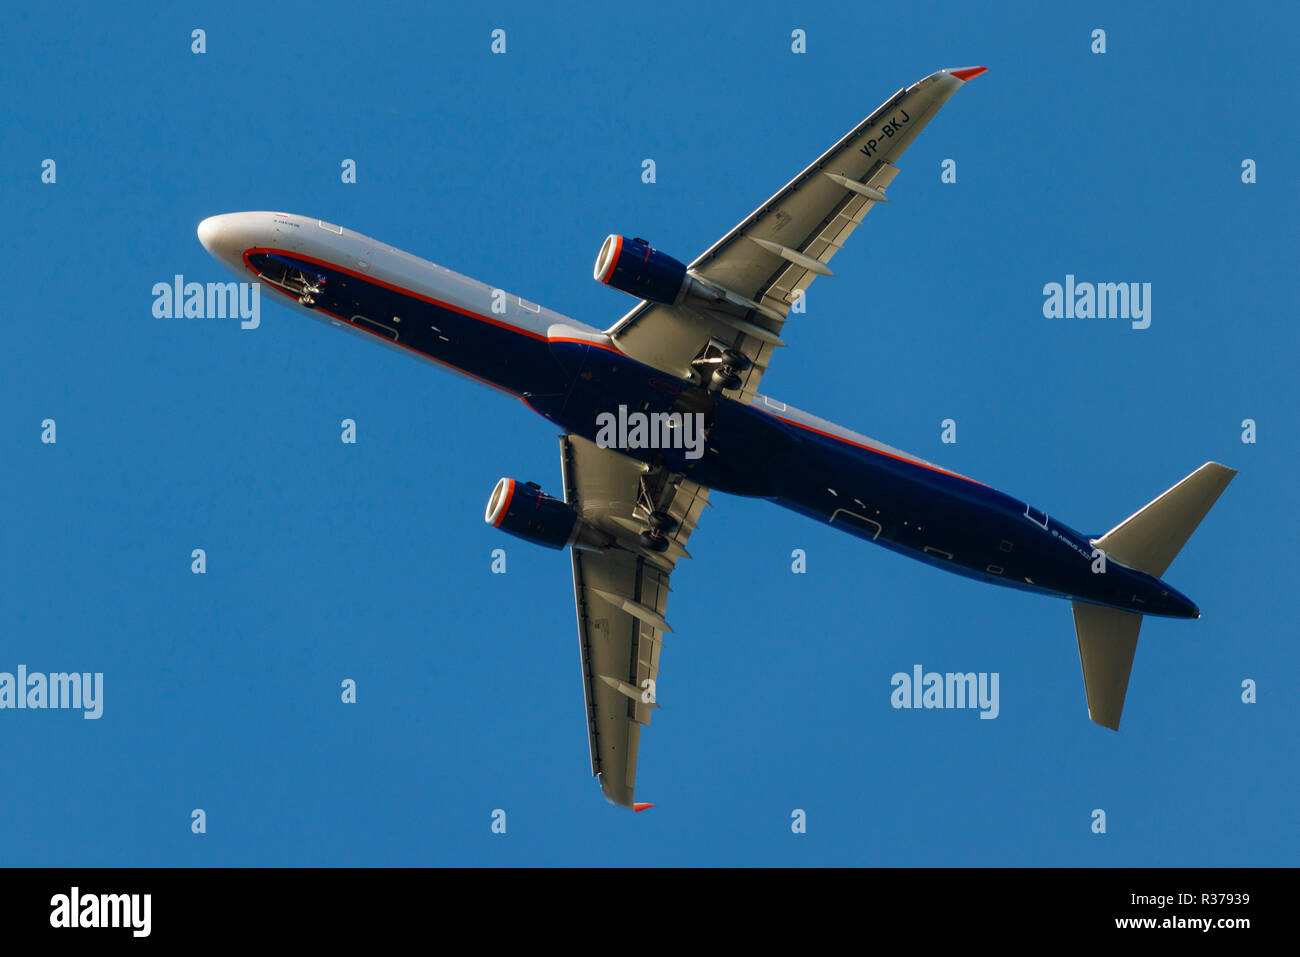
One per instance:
[(415, 295), (532, 335), (412, 294), (868, 448)]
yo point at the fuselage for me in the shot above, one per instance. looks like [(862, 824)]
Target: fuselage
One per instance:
[(571, 374)]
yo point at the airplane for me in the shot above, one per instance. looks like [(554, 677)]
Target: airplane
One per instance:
[(692, 352)]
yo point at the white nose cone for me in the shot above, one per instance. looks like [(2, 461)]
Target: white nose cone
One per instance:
[(226, 237), (210, 234)]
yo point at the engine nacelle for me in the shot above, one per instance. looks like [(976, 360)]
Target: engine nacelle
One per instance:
[(634, 267), (524, 510)]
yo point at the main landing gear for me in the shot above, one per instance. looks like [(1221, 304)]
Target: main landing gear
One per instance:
[(659, 526), (727, 369), (654, 497), (718, 368)]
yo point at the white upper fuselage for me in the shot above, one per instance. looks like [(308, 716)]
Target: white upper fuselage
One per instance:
[(229, 237)]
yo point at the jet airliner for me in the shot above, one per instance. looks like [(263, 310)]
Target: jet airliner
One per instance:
[(696, 344)]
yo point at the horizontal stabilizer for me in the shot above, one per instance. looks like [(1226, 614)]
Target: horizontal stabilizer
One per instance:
[(1108, 638), (1149, 539)]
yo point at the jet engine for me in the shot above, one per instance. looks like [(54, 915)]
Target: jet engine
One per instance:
[(524, 510), (634, 267)]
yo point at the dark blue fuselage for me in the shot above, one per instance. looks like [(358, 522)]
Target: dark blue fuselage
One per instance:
[(905, 505)]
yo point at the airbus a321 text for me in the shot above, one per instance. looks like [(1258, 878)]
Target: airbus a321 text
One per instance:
[(686, 362)]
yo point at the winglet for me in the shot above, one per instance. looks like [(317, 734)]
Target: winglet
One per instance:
[(638, 808), (969, 73)]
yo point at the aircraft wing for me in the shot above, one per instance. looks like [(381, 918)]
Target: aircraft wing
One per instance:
[(621, 595), (780, 248)]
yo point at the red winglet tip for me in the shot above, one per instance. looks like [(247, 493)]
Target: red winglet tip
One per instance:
[(638, 808), (969, 73)]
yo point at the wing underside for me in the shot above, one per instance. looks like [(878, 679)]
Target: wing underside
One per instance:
[(750, 279), (772, 257), (621, 596)]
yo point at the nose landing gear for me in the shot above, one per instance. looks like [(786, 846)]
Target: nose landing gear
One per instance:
[(290, 277), (308, 290)]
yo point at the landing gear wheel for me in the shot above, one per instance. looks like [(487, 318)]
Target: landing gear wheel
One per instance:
[(735, 360), (663, 522), (307, 301), (725, 381), (653, 541)]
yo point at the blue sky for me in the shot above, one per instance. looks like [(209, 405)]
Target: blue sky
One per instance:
[(372, 562)]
